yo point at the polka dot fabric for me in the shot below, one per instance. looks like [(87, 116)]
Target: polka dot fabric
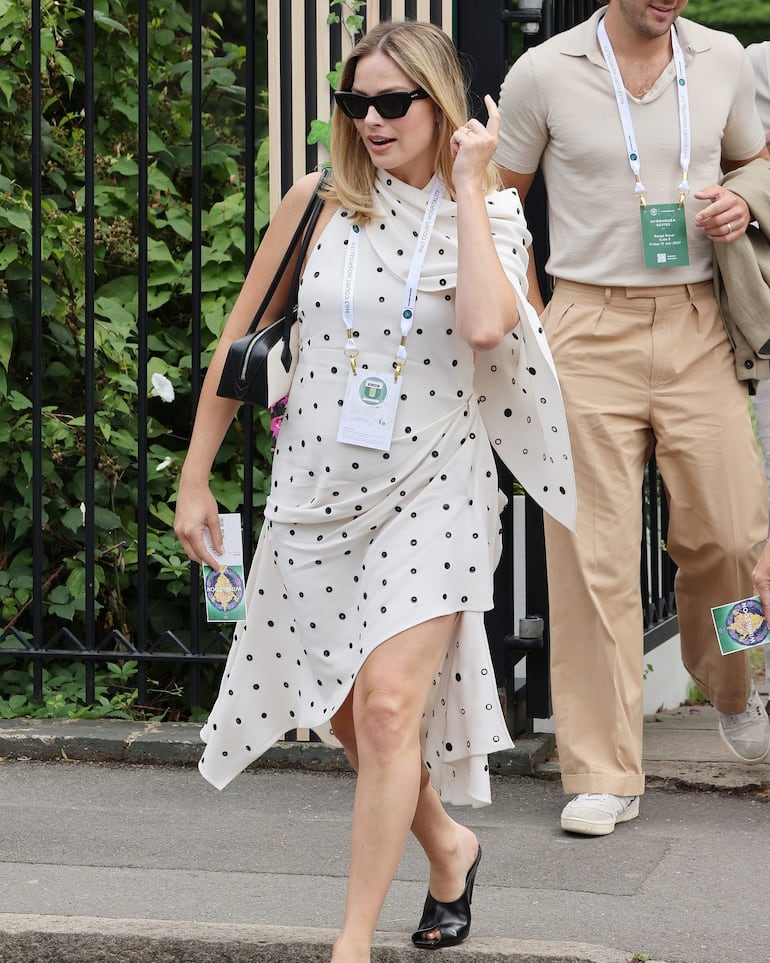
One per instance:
[(359, 544)]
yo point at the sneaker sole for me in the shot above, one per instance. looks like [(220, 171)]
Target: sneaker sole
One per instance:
[(589, 827), (736, 755)]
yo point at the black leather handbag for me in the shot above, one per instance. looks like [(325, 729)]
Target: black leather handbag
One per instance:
[(259, 366)]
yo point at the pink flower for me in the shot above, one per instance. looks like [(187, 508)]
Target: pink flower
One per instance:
[(277, 411)]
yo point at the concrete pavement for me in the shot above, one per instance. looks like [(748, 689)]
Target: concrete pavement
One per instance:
[(114, 850)]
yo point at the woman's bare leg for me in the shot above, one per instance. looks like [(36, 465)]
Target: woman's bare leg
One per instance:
[(393, 791), (449, 846)]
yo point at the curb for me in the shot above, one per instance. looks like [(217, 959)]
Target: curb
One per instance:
[(179, 743), (686, 766), (40, 939)]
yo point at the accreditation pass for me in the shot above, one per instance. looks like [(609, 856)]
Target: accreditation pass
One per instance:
[(369, 410)]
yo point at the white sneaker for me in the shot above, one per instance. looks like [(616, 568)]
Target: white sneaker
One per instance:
[(595, 813), (747, 735)]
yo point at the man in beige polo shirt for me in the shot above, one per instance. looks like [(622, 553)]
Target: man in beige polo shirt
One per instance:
[(631, 115)]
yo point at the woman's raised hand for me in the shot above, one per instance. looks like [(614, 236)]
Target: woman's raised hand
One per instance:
[(473, 146)]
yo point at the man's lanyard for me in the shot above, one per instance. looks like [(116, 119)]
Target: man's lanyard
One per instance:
[(625, 113), (410, 291)]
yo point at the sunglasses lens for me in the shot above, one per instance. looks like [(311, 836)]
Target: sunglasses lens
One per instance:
[(391, 106), (354, 105)]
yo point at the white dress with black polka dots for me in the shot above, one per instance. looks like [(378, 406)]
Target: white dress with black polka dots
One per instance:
[(360, 544)]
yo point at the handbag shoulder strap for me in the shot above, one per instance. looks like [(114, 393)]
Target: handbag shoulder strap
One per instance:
[(311, 212), (317, 204)]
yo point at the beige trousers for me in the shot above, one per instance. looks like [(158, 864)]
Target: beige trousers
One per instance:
[(645, 369)]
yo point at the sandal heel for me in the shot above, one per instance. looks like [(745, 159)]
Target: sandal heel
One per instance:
[(452, 920)]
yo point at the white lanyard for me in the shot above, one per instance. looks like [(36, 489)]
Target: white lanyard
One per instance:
[(625, 113), (410, 291)]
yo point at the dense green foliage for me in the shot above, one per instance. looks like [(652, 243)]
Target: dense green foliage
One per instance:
[(115, 278), (64, 693), (749, 20)]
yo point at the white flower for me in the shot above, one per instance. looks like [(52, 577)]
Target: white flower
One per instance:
[(162, 387), (83, 512), (164, 464)]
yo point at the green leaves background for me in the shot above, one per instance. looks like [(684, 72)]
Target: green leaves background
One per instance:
[(64, 291)]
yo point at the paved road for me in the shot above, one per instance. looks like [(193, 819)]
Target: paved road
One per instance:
[(687, 882)]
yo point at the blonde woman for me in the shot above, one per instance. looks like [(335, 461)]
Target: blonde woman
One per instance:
[(419, 355)]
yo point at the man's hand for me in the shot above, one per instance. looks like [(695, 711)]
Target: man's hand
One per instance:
[(726, 217)]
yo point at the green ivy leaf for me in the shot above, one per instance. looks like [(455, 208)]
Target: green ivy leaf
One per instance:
[(162, 512), (106, 519), (107, 23), (15, 218), (72, 519), (76, 582), (319, 133), (125, 165), (6, 341), (8, 255)]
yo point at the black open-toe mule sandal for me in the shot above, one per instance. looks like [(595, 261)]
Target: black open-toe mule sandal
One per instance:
[(452, 920)]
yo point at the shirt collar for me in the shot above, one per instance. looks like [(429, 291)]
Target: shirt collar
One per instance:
[(581, 40)]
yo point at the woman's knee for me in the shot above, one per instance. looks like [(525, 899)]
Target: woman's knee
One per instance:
[(384, 722)]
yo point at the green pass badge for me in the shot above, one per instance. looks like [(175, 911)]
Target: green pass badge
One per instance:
[(664, 236)]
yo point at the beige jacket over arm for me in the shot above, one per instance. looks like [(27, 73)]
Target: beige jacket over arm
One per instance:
[(742, 278)]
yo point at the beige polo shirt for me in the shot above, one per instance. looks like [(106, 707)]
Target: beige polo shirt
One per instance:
[(557, 102), (759, 55)]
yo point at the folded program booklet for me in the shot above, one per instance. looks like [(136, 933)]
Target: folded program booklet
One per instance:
[(224, 586), (740, 625)]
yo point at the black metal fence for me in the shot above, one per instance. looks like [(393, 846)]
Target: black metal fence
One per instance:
[(196, 646)]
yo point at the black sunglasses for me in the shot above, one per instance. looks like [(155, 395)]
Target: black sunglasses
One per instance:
[(388, 106)]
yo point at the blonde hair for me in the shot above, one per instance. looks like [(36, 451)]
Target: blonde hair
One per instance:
[(428, 57)]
